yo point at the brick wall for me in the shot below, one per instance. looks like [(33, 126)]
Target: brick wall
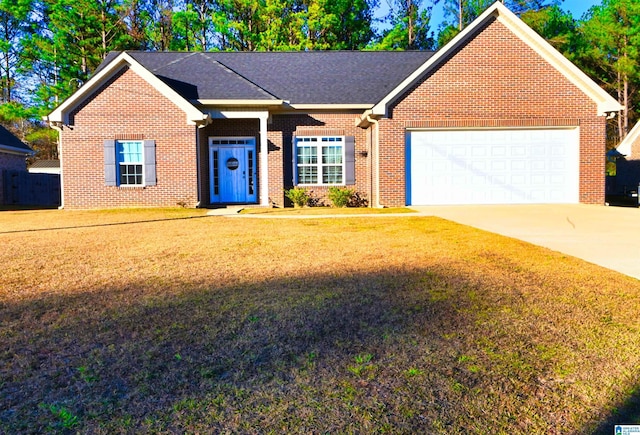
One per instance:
[(13, 162), (635, 150), (493, 78), (281, 130), (127, 107)]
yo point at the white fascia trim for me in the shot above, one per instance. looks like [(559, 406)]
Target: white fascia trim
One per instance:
[(360, 106), (625, 146), (237, 114), (239, 103), (17, 151), (606, 103), (61, 113)]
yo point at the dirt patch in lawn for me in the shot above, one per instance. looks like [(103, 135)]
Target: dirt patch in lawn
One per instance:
[(411, 325)]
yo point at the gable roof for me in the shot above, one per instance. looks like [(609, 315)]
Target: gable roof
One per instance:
[(625, 147), (307, 78), (349, 79), (606, 103), (111, 67), (9, 143)]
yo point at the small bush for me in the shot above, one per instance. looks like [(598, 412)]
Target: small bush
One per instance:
[(340, 196), (298, 195)]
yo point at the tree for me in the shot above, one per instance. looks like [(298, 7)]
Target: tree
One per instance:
[(340, 24), (410, 25), (607, 47), (554, 25), (14, 27), (459, 13)]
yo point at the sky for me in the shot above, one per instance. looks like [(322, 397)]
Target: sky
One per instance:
[(576, 7)]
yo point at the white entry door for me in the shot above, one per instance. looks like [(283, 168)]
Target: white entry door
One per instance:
[(232, 169), (492, 166)]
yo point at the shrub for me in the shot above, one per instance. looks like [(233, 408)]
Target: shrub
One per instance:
[(340, 196), (298, 196)]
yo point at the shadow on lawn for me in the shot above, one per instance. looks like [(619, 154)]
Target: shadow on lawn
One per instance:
[(627, 413), (126, 360), (318, 353)]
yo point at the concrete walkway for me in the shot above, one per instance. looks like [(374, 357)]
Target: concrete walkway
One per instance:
[(607, 236)]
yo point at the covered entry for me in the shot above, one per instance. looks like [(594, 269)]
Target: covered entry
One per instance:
[(233, 170), (506, 166)]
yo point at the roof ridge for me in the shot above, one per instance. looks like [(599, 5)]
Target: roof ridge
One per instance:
[(231, 70), (180, 59)]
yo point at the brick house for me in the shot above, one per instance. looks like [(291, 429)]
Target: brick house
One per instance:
[(495, 116)]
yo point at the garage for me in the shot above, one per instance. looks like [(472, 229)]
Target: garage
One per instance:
[(505, 166)]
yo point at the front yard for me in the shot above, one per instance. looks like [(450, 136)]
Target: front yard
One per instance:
[(168, 321)]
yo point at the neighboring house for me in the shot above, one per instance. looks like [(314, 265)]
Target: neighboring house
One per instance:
[(13, 152), (13, 159), (495, 116), (627, 177), (45, 167)]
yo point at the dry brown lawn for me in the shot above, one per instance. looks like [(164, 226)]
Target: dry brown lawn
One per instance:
[(167, 321)]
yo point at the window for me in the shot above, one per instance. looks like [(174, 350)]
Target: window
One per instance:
[(130, 163), (320, 159)]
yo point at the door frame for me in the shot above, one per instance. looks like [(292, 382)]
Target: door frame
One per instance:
[(248, 145)]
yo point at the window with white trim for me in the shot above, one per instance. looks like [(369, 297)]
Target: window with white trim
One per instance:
[(129, 162), (320, 160), (129, 155)]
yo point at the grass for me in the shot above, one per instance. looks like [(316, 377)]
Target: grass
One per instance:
[(182, 323)]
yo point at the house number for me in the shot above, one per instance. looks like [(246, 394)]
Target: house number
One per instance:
[(233, 163)]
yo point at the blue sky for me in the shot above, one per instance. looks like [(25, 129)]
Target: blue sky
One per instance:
[(576, 7)]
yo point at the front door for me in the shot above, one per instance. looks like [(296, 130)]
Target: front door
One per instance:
[(232, 163)]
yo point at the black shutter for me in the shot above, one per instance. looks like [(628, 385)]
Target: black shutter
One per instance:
[(110, 163), (149, 162), (350, 160)]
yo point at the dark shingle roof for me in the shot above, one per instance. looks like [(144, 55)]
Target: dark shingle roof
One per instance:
[(45, 164), (312, 77), (8, 140)]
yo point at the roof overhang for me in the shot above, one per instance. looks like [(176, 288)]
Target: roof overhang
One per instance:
[(60, 116), (17, 151), (605, 103), (239, 103), (634, 135), (356, 106)]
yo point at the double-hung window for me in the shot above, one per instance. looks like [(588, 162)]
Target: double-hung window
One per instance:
[(320, 160), (130, 162)]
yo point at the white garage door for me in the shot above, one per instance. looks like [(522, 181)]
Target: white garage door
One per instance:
[(493, 167)]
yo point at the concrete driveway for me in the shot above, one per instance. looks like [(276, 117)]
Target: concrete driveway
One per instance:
[(607, 236)]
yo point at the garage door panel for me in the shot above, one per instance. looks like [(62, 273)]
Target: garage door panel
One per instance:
[(493, 166)]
